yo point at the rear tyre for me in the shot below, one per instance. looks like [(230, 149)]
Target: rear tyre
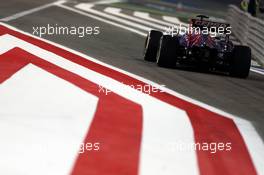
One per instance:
[(167, 53), (240, 62), (151, 45)]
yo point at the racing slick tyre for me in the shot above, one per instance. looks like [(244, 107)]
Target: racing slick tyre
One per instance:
[(151, 45), (240, 62), (167, 52)]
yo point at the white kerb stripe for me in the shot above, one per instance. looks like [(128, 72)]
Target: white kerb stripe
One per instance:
[(43, 121)]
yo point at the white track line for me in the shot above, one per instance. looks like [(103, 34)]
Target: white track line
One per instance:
[(252, 139), (117, 12), (27, 12), (103, 20), (254, 63), (257, 71), (106, 2), (146, 16), (171, 19), (174, 20), (87, 7)]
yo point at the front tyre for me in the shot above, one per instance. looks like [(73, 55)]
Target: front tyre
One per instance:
[(240, 61), (151, 45)]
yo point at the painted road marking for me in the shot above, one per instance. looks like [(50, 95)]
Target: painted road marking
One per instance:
[(117, 12), (106, 2), (198, 117), (87, 7), (257, 70), (103, 20), (27, 12), (43, 121), (146, 16), (171, 19), (254, 63), (174, 20)]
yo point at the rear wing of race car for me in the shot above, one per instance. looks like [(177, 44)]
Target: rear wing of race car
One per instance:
[(212, 26)]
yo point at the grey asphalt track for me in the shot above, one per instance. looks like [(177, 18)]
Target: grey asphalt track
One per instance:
[(123, 49), (11, 7)]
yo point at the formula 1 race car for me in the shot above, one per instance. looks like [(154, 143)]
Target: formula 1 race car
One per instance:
[(205, 45)]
